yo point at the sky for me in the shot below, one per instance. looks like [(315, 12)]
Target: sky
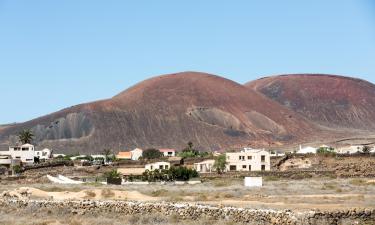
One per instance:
[(55, 54)]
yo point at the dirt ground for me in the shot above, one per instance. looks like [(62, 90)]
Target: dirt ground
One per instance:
[(306, 194)]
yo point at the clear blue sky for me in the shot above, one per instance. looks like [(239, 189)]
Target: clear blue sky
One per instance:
[(54, 54)]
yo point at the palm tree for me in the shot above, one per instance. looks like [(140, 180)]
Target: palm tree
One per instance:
[(26, 136), (107, 153)]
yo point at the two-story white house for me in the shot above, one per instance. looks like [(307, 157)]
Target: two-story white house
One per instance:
[(248, 160), (25, 153)]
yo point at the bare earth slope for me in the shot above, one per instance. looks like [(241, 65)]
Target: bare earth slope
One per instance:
[(169, 111), (328, 100)]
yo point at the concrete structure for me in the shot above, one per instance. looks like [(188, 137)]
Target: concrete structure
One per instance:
[(136, 153), (248, 160), (168, 152), (206, 166), (158, 165), (253, 181), (352, 149), (306, 150), (44, 154), (25, 153)]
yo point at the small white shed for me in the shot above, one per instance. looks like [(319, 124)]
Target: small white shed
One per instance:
[(253, 181)]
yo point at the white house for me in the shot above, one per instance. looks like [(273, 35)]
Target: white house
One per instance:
[(25, 153), (136, 153), (158, 165), (44, 154), (248, 160), (352, 149), (306, 150), (206, 166), (274, 153), (168, 152)]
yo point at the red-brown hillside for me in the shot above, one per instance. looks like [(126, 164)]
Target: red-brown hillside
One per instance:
[(329, 100), (169, 111)]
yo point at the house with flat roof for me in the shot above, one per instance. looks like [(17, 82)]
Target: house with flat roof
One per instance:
[(248, 160), (158, 165), (167, 152), (25, 153), (44, 154), (206, 166), (350, 149)]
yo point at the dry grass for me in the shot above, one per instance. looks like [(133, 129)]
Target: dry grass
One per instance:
[(107, 193), (90, 194)]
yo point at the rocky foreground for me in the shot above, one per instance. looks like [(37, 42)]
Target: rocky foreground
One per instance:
[(192, 211)]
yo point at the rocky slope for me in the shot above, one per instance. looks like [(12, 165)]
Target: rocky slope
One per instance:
[(328, 100), (169, 111)]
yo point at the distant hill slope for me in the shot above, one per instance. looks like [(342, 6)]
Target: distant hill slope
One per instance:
[(169, 111), (328, 100)]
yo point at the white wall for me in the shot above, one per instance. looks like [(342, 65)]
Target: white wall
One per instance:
[(158, 165), (248, 161)]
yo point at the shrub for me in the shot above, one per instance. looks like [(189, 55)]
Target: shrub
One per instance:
[(174, 173), (90, 194), (220, 163), (106, 193), (17, 169), (151, 154)]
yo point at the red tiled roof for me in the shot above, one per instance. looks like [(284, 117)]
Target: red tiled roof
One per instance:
[(166, 150), (124, 155)]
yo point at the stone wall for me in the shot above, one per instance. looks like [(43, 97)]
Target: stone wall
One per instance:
[(193, 211), (300, 174)]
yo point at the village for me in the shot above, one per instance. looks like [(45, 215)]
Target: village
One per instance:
[(133, 164)]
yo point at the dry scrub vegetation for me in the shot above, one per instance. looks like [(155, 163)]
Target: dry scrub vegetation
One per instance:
[(59, 218)]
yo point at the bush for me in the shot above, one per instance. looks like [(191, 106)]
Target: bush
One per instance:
[(152, 154), (172, 174), (17, 169)]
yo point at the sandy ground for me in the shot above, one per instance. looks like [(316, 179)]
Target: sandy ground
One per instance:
[(95, 194)]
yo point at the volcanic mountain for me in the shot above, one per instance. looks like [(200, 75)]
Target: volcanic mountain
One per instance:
[(169, 111), (328, 100)]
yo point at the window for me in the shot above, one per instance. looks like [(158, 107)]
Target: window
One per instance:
[(151, 167), (232, 167), (249, 167), (25, 149), (161, 167), (263, 168), (18, 157), (166, 167), (29, 159), (243, 166), (263, 158), (249, 157), (241, 157)]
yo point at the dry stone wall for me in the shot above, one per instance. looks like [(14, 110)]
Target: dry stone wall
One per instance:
[(193, 211)]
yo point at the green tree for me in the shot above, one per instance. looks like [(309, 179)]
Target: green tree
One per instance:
[(220, 163), (366, 149), (189, 151), (26, 136), (152, 153)]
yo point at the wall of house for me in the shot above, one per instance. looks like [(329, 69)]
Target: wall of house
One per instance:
[(248, 161)]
